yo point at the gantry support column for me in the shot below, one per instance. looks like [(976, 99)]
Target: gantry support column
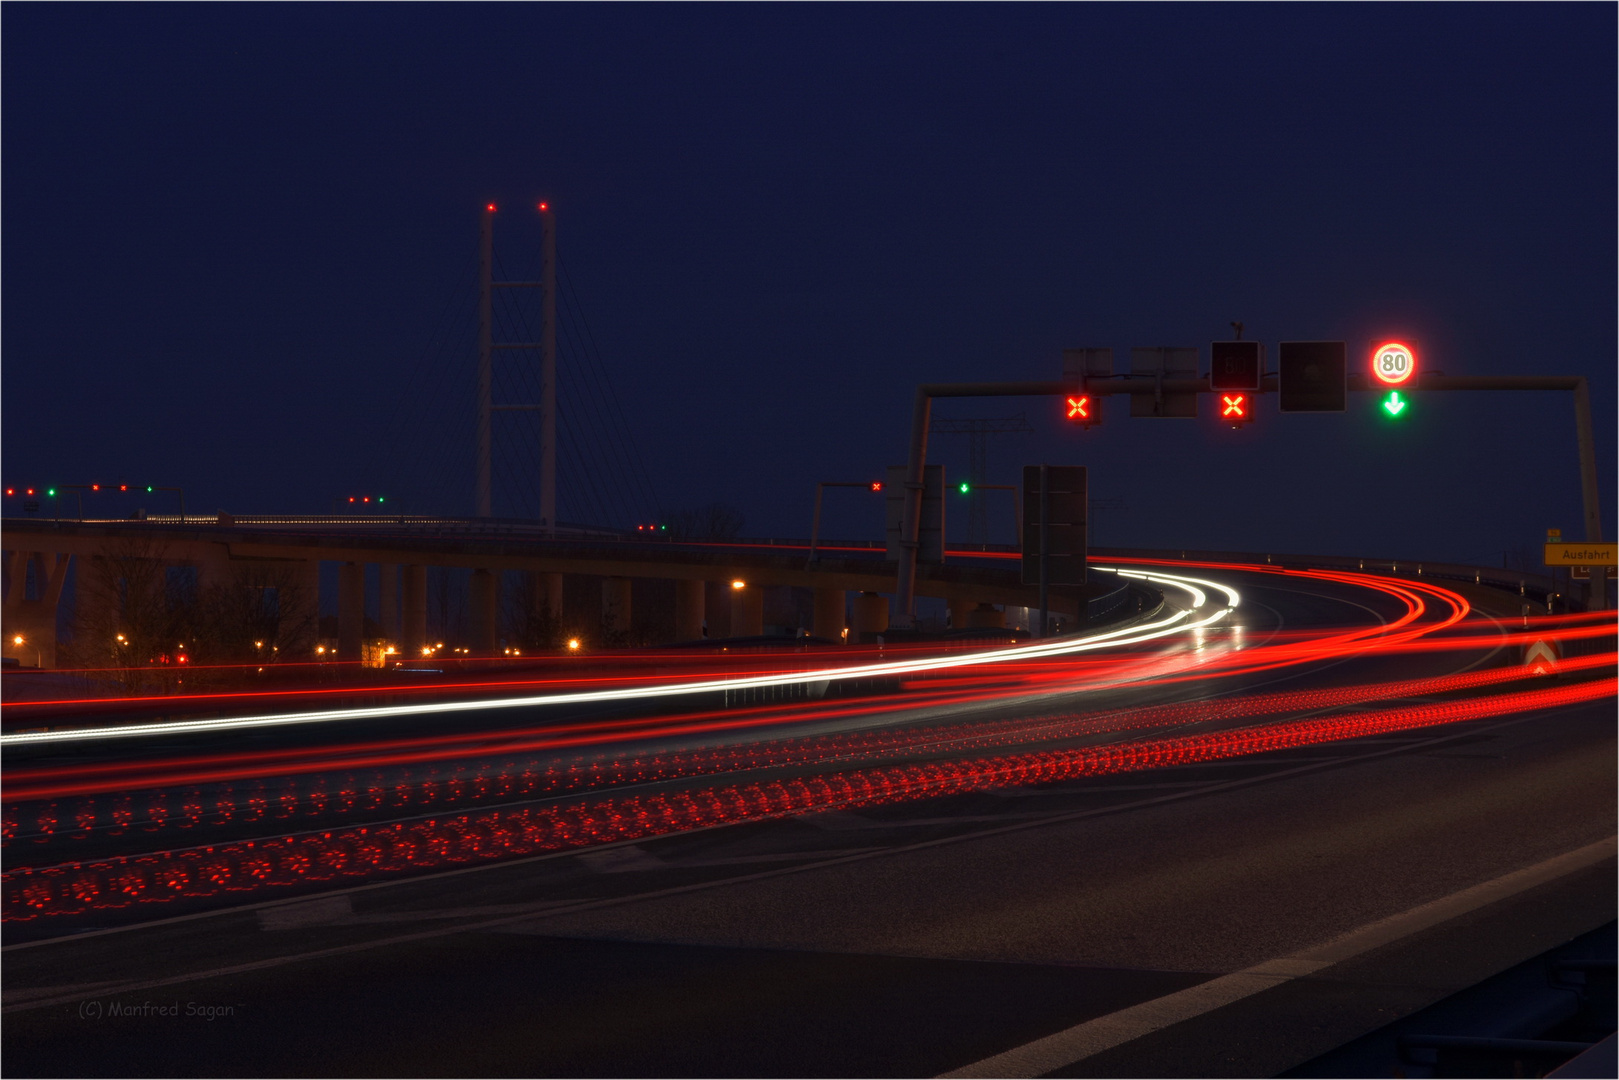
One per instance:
[(829, 613), (689, 609), (351, 612), (616, 605), (414, 630), (747, 611), (483, 592)]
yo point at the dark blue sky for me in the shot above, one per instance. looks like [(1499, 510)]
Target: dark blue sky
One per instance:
[(240, 250)]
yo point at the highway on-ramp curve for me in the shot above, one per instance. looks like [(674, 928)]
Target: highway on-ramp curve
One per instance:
[(1221, 853)]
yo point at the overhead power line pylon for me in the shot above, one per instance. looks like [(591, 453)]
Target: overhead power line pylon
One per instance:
[(546, 347)]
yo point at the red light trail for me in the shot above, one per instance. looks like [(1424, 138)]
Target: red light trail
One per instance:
[(381, 779), (459, 839)]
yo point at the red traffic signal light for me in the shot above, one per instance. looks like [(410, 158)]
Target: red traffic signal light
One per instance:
[(876, 485), (1236, 408)]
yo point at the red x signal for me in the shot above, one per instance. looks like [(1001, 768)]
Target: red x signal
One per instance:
[(1236, 409), (1079, 408)]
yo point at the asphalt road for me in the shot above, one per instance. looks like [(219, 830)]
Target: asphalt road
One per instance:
[(909, 939)]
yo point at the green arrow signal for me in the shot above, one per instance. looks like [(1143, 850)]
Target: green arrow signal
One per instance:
[(1393, 403)]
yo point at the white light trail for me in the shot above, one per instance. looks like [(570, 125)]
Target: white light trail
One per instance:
[(1177, 622)]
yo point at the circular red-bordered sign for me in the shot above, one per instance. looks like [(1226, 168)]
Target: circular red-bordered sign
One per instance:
[(1393, 363)]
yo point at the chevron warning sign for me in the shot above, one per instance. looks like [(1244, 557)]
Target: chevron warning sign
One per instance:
[(1541, 656)]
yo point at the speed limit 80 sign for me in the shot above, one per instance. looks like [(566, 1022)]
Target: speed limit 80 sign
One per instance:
[(1393, 363)]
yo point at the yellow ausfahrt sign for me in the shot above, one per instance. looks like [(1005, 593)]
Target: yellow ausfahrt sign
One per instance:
[(1586, 554)]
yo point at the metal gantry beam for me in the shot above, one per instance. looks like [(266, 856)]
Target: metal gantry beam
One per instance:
[(921, 410)]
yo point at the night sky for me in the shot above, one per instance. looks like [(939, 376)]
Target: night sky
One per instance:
[(240, 252)]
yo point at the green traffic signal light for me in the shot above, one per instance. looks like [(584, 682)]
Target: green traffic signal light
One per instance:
[(964, 487), (148, 487), (51, 492), (1394, 404)]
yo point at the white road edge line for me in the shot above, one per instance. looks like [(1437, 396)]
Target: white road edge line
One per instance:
[(1115, 1029)]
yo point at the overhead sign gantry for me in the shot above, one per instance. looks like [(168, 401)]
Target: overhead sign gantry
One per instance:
[(1311, 376)]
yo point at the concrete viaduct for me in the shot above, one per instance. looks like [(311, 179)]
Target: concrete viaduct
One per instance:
[(222, 547)]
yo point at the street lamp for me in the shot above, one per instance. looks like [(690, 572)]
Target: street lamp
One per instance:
[(19, 641)]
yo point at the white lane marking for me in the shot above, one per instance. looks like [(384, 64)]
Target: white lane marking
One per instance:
[(1171, 624), (317, 912), (18, 997), (621, 860), (1105, 1032)]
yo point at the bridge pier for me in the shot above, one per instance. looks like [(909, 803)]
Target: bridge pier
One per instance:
[(414, 587), (689, 596), (351, 612), (545, 594), (616, 605), (747, 611), (212, 566), (829, 614), (985, 615), (483, 592), (298, 610), (870, 615), (388, 600), (961, 612), (717, 608), (33, 620)]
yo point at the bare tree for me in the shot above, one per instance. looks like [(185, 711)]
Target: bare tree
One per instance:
[(127, 619), (532, 627), (259, 613)]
